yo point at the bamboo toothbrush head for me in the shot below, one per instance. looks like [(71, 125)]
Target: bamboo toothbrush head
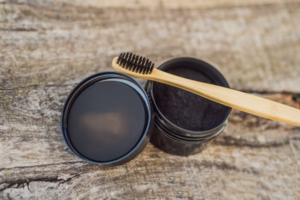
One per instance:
[(133, 65)]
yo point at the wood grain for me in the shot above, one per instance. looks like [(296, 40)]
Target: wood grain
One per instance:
[(46, 47)]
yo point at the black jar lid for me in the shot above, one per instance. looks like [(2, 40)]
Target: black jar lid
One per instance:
[(107, 119)]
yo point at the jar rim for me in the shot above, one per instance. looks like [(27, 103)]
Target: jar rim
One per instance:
[(175, 129)]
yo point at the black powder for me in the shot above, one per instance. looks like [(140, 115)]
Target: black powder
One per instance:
[(185, 109)]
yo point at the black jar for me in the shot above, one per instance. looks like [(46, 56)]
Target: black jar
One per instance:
[(107, 119), (172, 138)]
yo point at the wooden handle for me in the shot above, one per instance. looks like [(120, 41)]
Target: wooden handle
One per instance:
[(228, 97), (232, 98)]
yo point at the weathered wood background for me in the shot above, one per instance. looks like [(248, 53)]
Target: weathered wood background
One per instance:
[(46, 47)]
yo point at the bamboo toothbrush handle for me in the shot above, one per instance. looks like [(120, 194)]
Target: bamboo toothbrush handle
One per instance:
[(232, 98)]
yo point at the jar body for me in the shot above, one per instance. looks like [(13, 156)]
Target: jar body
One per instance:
[(178, 146), (174, 139)]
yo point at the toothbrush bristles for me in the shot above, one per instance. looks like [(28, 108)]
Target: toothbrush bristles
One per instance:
[(135, 63)]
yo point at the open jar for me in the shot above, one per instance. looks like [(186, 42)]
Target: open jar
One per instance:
[(185, 123)]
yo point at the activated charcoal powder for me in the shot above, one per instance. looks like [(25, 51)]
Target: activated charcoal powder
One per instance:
[(185, 109)]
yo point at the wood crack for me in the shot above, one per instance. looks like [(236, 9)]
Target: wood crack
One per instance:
[(36, 86), (226, 166), (268, 92), (45, 165), (43, 179), (231, 141), (19, 29)]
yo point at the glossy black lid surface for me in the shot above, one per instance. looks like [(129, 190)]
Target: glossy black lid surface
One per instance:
[(105, 119)]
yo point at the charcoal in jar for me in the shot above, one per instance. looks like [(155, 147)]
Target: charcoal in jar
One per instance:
[(185, 109)]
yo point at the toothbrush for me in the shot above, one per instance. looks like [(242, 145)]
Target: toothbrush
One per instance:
[(141, 67)]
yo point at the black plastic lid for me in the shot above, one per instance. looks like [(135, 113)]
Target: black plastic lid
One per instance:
[(106, 119)]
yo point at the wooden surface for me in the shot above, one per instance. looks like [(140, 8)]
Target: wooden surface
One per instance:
[(46, 47)]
